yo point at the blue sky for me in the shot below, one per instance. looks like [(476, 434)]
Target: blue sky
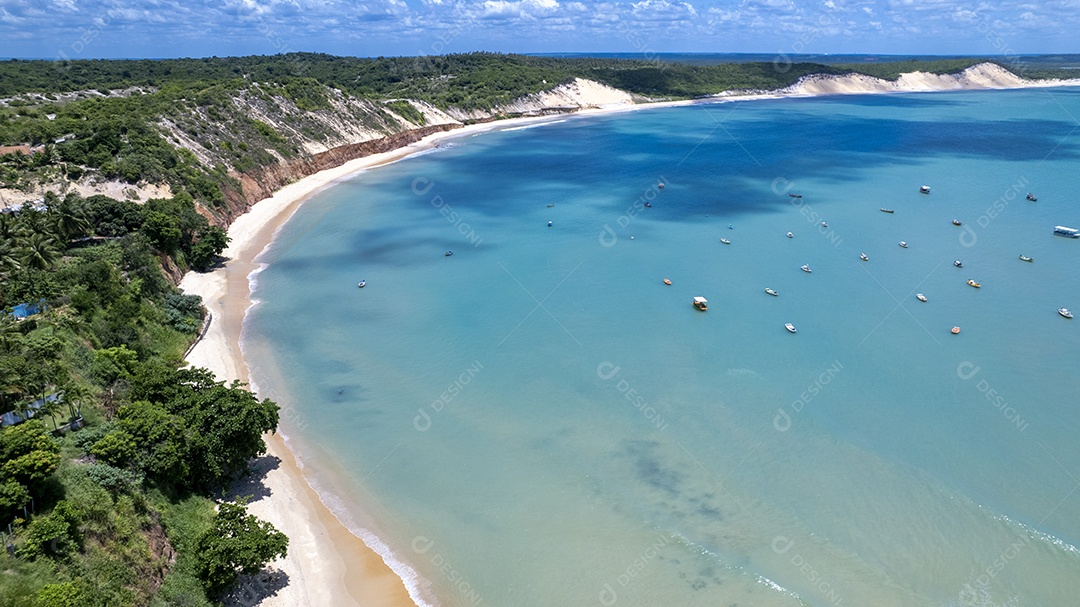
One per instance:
[(80, 29)]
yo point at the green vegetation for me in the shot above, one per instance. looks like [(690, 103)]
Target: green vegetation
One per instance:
[(196, 123), (107, 488)]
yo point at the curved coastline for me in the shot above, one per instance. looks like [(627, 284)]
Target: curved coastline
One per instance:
[(328, 561)]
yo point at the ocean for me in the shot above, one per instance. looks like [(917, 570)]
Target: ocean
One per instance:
[(537, 419)]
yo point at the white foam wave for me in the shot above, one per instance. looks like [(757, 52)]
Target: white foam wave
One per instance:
[(532, 126), (418, 587)]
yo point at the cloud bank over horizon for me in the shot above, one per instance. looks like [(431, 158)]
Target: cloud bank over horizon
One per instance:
[(83, 29)]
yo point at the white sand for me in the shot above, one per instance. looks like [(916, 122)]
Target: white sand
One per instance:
[(326, 564)]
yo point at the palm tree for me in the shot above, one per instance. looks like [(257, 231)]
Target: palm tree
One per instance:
[(68, 221), (9, 258), (74, 395), (39, 252)]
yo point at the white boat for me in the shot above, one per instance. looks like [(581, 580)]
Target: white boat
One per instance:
[(920, 297), (824, 225), (790, 327), (863, 257), (958, 263), (701, 303), (448, 253), (1025, 258), (903, 244), (725, 241), (550, 224), (1065, 312), (790, 235), (1066, 232), (771, 292), (362, 284), (806, 268), (924, 189)]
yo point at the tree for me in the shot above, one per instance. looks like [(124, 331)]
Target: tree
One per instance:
[(222, 425), (211, 243), (163, 231), (68, 220), (236, 543), (39, 252)]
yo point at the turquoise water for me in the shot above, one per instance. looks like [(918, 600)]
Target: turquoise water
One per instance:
[(538, 420)]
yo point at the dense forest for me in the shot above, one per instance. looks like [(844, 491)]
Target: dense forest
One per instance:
[(112, 451)]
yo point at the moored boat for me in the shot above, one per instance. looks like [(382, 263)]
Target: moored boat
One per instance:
[(884, 210), (667, 281), (771, 292), (1031, 197), (956, 222), (448, 254), (971, 282), (955, 331), (790, 235), (725, 241), (863, 257), (1026, 258), (903, 244), (806, 268), (924, 189), (795, 195), (701, 303), (790, 327), (362, 284), (920, 297), (1065, 312), (958, 263)]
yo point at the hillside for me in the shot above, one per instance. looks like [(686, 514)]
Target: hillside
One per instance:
[(230, 131)]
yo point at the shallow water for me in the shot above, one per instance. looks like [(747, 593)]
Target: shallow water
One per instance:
[(539, 420)]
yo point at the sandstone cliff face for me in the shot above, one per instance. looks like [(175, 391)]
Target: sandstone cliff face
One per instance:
[(349, 128), (262, 182)]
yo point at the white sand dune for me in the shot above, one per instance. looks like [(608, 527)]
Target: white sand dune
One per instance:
[(981, 76)]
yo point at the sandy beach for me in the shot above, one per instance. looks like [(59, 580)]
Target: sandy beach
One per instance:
[(326, 564)]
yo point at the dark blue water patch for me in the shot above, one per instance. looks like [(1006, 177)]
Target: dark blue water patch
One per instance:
[(729, 155)]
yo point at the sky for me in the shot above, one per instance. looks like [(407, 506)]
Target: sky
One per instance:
[(87, 29)]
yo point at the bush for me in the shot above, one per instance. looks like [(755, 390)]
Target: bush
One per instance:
[(115, 480)]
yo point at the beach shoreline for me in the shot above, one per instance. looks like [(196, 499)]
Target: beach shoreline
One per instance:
[(328, 564)]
